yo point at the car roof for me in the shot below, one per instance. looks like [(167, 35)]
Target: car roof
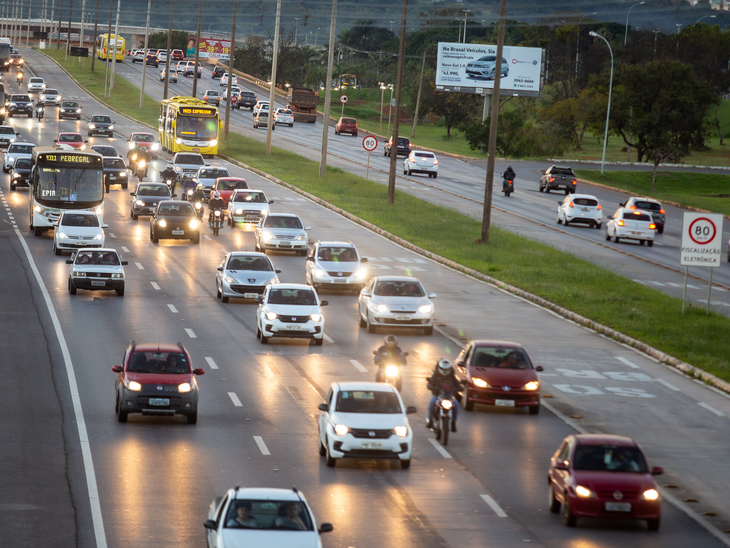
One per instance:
[(584, 196), (494, 343), (231, 178), (29, 144), (267, 493), (397, 279), (151, 347), (604, 439), (151, 184), (629, 210), (66, 133), (364, 385), (104, 249), (292, 286), (245, 189), (142, 133), (560, 167), (246, 254), (335, 244), (283, 215), (644, 199)]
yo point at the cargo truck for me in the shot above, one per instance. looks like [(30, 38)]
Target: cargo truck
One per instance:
[(303, 103)]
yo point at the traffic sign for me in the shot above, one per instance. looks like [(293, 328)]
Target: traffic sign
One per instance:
[(369, 143), (702, 240), (343, 98)]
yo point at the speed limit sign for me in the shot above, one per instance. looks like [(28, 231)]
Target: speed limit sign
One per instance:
[(343, 98), (369, 143), (702, 240)]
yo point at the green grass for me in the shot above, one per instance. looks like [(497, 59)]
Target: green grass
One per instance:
[(700, 190), (578, 285)]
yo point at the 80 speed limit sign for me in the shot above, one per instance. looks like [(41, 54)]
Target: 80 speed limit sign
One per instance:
[(702, 240), (369, 143)]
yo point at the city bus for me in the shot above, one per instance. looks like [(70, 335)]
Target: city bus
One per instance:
[(187, 124), (102, 42), (63, 180)]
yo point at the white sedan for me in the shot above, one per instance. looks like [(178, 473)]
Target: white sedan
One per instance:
[(631, 224), (292, 311), (395, 301), (75, 229), (365, 420), (224, 80), (244, 275), (580, 208), (421, 162), (248, 206), (284, 116)]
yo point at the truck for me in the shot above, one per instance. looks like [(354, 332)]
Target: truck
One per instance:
[(303, 103), (5, 50)]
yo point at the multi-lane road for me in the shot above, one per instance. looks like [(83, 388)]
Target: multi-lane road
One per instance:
[(155, 477)]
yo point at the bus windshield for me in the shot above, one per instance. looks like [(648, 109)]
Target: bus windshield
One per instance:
[(69, 185), (190, 127)]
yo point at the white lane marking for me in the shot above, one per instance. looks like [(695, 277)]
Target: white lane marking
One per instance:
[(125, 249), (139, 265), (668, 385), (172, 308), (207, 237), (211, 363), (494, 506), (437, 445), (154, 284), (328, 338), (235, 399), (191, 333), (112, 235), (627, 362), (91, 485), (711, 409), (358, 366), (262, 446)]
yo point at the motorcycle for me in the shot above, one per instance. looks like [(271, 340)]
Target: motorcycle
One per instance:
[(188, 195), (508, 186), (198, 206), (389, 371), (19, 78), (140, 163), (39, 112), (188, 183), (216, 220), (442, 416)]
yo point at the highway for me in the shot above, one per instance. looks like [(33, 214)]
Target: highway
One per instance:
[(157, 476)]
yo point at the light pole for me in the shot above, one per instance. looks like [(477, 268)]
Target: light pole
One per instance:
[(382, 92), (577, 37), (656, 32), (704, 17), (391, 26), (608, 110), (679, 26), (626, 32), (465, 14), (390, 107), (316, 34), (144, 62), (296, 30)]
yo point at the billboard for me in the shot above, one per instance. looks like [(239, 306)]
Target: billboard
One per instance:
[(209, 48), (471, 68)]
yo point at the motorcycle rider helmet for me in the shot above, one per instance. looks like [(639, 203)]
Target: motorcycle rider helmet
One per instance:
[(216, 195), (391, 340), (199, 188), (444, 367), (169, 165)]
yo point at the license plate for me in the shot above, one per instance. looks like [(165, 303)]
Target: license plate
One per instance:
[(635, 232), (340, 280), (402, 318), (371, 445), (618, 507), (80, 244), (504, 403), (112, 178), (196, 150), (293, 327), (159, 401), (97, 283), (250, 295), (284, 244), (585, 209), (178, 232)]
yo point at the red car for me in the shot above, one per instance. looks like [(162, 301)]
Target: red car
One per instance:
[(157, 379), (144, 142), (226, 186), (499, 373), (70, 141), (177, 55), (346, 125), (603, 476)]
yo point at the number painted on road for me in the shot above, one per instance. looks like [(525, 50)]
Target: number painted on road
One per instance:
[(615, 375), (582, 374), (628, 376), (630, 392), (582, 390)]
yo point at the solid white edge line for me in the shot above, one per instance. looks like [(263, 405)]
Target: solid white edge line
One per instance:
[(91, 485), (711, 409), (358, 366), (235, 399), (627, 362), (262, 446), (494, 506), (714, 531), (444, 453), (328, 338), (154, 284), (211, 363), (172, 308), (191, 333), (668, 385)]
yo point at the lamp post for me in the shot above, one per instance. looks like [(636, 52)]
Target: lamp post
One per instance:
[(391, 26), (704, 17), (316, 34), (144, 61), (296, 30), (463, 41), (655, 36), (608, 110), (382, 92), (577, 37), (626, 32), (679, 26), (390, 108)]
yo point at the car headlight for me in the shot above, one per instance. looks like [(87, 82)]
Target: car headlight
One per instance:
[(118, 275), (400, 431), (99, 237), (271, 316), (320, 271), (315, 317), (132, 145), (194, 224), (110, 128), (341, 429), (230, 280), (92, 126), (123, 174), (99, 210), (62, 236), (239, 212), (133, 385), (302, 237), (58, 99), (178, 141), (361, 273), (425, 309), (16, 175), (162, 223), (37, 208), (382, 308), (532, 385), (155, 146), (268, 235), (391, 371), (481, 383), (184, 387), (78, 274), (651, 494), (139, 203), (446, 404), (583, 492), (78, 110)]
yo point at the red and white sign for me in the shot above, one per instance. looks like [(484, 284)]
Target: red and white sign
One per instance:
[(209, 48), (702, 240), (343, 98), (369, 143)]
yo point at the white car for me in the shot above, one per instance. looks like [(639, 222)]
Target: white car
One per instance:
[(49, 97), (261, 119), (162, 56), (262, 516), (36, 84), (173, 75), (580, 208), (261, 105), (224, 80), (190, 68), (292, 311), (248, 206), (421, 162), (15, 151), (631, 224), (96, 270), (138, 56), (395, 301), (244, 275), (8, 136), (365, 420), (335, 265), (284, 116), (282, 232), (75, 229)]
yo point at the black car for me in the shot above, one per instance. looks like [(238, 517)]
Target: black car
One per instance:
[(115, 172), (146, 198), (247, 99), (20, 173), (174, 219), (404, 147), (7, 136), (153, 60), (558, 178), (100, 124), (218, 72), (20, 104), (69, 109), (106, 150)]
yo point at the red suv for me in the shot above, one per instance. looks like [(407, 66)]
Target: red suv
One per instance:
[(226, 186), (177, 55), (346, 125), (157, 379)]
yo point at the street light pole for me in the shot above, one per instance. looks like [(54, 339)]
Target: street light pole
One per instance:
[(197, 50), (465, 14), (577, 38), (144, 61), (272, 91), (704, 17), (296, 30), (391, 26), (81, 34), (655, 35), (116, 45), (679, 26), (166, 88), (626, 32), (608, 110), (390, 107), (328, 92), (231, 55), (382, 91), (316, 35), (398, 98), (93, 38)]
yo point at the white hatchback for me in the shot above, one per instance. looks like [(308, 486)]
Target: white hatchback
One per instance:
[(365, 420), (580, 208), (421, 162), (75, 229), (248, 206), (224, 80), (292, 311), (284, 116), (15, 151), (244, 275), (631, 224), (282, 232), (261, 105), (335, 265), (395, 301), (36, 84)]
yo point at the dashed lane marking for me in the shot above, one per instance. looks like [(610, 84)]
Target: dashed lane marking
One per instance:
[(235, 399), (191, 333), (668, 385), (154, 284), (172, 308), (211, 363), (627, 362), (139, 265), (439, 448), (328, 338), (125, 249), (262, 446), (358, 366), (711, 409), (494, 506)]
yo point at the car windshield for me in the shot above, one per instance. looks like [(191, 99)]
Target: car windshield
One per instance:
[(250, 197), (211, 93), (488, 58), (190, 159), (402, 141), (231, 185), (213, 173), (158, 362), (609, 458), (142, 138), (179, 209), (506, 358), (275, 221), (562, 171), (337, 254), (97, 258), (50, 92), (585, 202), (367, 401), (114, 163), (349, 121), (69, 104), (7, 130), (70, 138), (197, 127), (36, 80), (79, 219), (424, 154), (20, 149), (653, 206), (101, 119), (105, 150), (268, 514), (22, 163), (636, 216), (16, 98), (153, 190), (258, 264), (303, 297), (398, 289)]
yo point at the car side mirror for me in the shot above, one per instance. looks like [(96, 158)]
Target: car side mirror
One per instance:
[(411, 409), (207, 165), (104, 226), (278, 270), (69, 261), (324, 303), (623, 204), (432, 295), (199, 371), (461, 364), (539, 368), (323, 407), (210, 524), (220, 269), (307, 228), (365, 293), (174, 195), (86, 142), (55, 141), (17, 133), (326, 528), (259, 299), (125, 263), (117, 368), (560, 202), (270, 202), (310, 258), (561, 465), (657, 471), (363, 259), (133, 193), (375, 352), (55, 223)]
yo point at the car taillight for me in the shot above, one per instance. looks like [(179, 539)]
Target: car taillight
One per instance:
[(637, 212), (435, 162), (573, 181), (551, 179), (652, 226), (410, 145), (633, 207), (570, 204), (620, 223), (600, 206), (661, 211)]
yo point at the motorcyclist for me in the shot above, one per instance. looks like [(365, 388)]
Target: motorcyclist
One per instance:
[(443, 379), (39, 111), (508, 175), (199, 194), (169, 173), (216, 202), (389, 352), (19, 76)]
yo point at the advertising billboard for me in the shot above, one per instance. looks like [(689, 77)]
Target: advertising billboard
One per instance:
[(209, 48), (470, 68)]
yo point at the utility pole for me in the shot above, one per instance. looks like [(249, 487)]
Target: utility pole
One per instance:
[(230, 75), (169, 54), (81, 34), (50, 35), (197, 50), (144, 61), (114, 53), (418, 96), (328, 92), (272, 91), (108, 42), (58, 34), (398, 94), (93, 38), (68, 33), (27, 28)]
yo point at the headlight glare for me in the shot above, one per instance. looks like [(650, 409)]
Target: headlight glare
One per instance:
[(341, 429), (382, 308), (583, 492), (194, 224), (271, 316), (480, 383), (162, 223), (446, 404), (133, 385), (651, 494), (425, 309), (315, 317), (400, 431), (99, 237), (532, 385), (184, 387)]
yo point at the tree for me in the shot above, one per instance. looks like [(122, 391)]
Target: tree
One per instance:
[(179, 40)]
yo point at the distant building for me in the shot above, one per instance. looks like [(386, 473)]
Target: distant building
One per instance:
[(720, 5)]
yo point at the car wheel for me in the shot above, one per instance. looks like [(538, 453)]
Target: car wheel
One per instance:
[(616, 239), (56, 251), (660, 229), (653, 524), (643, 242), (193, 418), (154, 238), (560, 221), (218, 292), (608, 236), (428, 331), (405, 464), (534, 409), (224, 299), (134, 216), (553, 503), (468, 405), (598, 226), (567, 223), (264, 340), (71, 287), (650, 243), (38, 231), (568, 518), (363, 323), (322, 448), (196, 240), (567, 191), (121, 415), (12, 186), (371, 327), (330, 461), (319, 342), (120, 292)]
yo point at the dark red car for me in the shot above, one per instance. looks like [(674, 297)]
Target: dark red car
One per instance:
[(603, 476), (142, 141), (177, 55), (346, 125), (156, 379), (499, 373), (70, 140), (226, 186)]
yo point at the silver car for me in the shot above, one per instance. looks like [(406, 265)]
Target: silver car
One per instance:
[(395, 301), (335, 265), (284, 116), (262, 120), (207, 176), (36, 84), (187, 163), (8, 136), (485, 68), (50, 97), (282, 232), (244, 275), (15, 151)]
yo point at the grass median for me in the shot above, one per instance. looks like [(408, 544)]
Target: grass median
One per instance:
[(627, 306)]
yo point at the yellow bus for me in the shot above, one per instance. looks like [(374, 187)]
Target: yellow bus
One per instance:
[(102, 43), (187, 124)]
